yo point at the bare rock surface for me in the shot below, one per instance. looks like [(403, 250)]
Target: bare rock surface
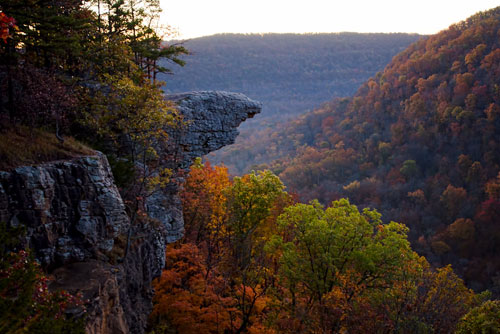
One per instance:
[(212, 120), (72, 209)]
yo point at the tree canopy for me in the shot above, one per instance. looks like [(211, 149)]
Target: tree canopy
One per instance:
[(296, 268)]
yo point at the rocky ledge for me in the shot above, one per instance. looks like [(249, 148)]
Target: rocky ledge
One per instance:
[(77, 224), (212, 119)]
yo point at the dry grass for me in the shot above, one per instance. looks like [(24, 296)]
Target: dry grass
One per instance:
[(23, 146)]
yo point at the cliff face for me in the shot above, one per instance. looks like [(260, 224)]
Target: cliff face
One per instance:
[(77, 224), (72, 209), (211, 120), (74, 217)]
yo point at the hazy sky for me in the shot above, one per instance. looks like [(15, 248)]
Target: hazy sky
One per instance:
[(194, 18)]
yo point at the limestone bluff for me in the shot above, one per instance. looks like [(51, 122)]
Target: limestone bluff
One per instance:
[(74, 215)]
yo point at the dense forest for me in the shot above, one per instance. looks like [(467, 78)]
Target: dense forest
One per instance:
[(419, 142), (289, 73), (254, 260)]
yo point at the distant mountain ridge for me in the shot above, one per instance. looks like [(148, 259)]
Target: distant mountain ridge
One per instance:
[(420, 142), (289, 73)]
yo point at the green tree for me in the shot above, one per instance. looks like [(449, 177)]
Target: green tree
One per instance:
[(135, 23), (337, 254), (409, 169), (41, 59), (484, 319), (250, 200), (51, 33)]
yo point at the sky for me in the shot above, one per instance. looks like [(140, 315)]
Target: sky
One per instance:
[(195, 18)]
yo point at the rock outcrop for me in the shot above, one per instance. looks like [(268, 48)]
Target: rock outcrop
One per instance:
[(211, 120), (78, 227)]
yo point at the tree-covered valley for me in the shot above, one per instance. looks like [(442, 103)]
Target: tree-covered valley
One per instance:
[(374, 213), (419, 142), (289, 73)]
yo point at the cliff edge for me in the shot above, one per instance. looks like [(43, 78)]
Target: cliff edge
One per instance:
[(77, 224)]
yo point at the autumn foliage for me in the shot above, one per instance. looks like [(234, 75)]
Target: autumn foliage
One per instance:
[(188, 296), (253, 261), (6, 24), (220, 273)]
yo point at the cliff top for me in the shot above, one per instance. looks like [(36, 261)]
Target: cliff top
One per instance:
[(23, 146)]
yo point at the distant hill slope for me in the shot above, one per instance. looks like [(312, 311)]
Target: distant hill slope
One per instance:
[(289, 73), (419, 141)]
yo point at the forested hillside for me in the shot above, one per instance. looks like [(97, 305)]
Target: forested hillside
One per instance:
[(289, 73), (420, 142)]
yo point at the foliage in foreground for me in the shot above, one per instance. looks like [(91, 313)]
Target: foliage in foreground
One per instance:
[(85, 68), (271, 266), (481, 320)]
